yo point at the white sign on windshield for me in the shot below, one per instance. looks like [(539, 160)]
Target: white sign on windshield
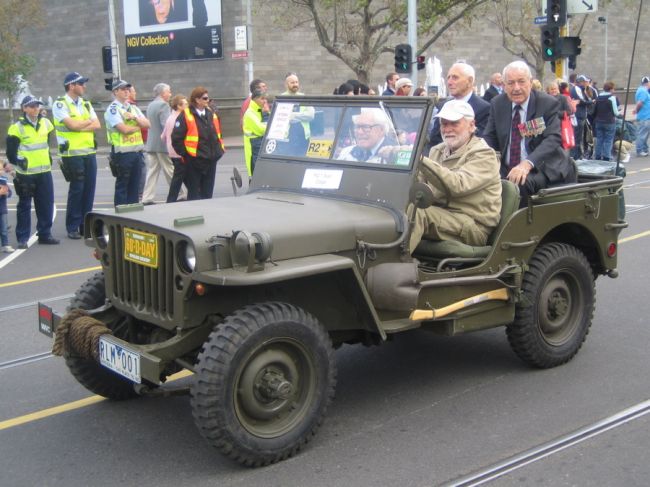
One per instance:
[(281, 120), (322, 179)]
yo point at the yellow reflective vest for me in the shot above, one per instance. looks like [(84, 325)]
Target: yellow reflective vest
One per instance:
[(80, 143), (132, 142), (33, 145), (253, 127)]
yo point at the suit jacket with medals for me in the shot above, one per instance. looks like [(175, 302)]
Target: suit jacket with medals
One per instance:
[(544, 150)]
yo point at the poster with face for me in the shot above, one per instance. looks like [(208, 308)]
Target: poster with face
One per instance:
[(172, 30)]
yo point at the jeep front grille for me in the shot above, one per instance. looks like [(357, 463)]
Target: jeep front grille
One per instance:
[(143, 288)]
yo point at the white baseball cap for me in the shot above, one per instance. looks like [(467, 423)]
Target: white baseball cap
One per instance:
[(454, 110)]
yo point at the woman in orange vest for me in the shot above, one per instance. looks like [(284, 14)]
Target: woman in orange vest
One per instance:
[(197, 140)]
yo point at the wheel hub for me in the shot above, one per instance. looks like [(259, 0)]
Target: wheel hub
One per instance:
[(273, 385), (557, 305)]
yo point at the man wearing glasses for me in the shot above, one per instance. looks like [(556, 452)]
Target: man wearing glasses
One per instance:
[(124, 124), (370, 128), (75, 122)]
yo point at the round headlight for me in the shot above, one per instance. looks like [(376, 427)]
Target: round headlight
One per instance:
[(186, 257), (102, 234)]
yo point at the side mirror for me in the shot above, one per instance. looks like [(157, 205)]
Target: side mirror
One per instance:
[(421, 195), (235, 180)]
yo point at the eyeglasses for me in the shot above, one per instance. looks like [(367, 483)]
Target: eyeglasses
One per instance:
[(366, 127), (205, 97)]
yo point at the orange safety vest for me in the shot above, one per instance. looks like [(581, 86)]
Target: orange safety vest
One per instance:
[(192, 135)]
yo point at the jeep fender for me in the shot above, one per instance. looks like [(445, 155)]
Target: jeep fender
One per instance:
[(329, 286)]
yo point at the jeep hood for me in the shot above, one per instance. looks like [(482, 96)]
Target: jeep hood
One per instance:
[(299, 225)]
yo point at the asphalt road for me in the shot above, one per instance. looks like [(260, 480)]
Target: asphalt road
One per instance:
[(420, 410)]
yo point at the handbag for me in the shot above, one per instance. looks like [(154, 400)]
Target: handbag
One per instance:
[(568, 138)]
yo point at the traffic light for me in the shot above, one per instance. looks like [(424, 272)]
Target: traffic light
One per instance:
[(556, 13), (403, 58), (571, 46), (107, 59), (421, 64), (551, 43), (572, 62), (108, 84)]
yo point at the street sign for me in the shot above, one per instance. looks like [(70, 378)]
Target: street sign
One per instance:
[(241, 38), (581, 6), (540, 20)]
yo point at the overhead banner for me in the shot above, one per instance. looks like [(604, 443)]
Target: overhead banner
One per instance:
[(172, 30)]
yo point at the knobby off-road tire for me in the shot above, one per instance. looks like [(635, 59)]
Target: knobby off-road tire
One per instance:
[(553, 319), (263, 382), (91, 375)]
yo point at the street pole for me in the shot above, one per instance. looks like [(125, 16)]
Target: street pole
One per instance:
[(413, 39), (115, 53), (249, 41), (603, 20)]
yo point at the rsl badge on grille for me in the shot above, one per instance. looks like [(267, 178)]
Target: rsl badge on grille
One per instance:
[(141, 247)]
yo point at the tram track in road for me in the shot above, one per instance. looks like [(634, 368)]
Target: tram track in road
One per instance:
[(552, 447), (29, 359)]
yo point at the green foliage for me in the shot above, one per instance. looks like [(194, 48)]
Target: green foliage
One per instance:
[(16, 15)]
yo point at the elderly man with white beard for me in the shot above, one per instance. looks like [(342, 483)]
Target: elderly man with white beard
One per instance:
[(469, 168)]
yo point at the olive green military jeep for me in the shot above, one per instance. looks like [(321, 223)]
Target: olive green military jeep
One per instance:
[(252, 293)]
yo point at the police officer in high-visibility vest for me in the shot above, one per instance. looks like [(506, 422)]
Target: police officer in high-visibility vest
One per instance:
[(28, 150), (197, 139), (124, 122), (254, 126), (75, 122)]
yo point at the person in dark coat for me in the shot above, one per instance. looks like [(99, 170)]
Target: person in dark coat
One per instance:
[(535, 158), (460, 84), (496, 87), (200, 156)]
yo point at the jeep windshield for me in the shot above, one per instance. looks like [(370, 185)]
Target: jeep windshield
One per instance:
[(357, 147)]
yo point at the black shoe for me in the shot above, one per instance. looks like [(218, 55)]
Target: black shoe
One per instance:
[(50, 240), (74, 235), (147, 203), (22, 245)]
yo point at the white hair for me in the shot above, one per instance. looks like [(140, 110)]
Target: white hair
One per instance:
[(466, 69), (159, 88), (519, 66), (377, 115)]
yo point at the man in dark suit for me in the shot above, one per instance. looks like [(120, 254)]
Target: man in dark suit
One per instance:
[(524, 127), (460, 84), (496, 87)]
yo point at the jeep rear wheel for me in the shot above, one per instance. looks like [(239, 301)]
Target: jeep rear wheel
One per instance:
[(89, 373), (263, 382), (553, 318)]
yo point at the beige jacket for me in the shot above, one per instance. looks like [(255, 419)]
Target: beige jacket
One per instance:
[(472, 176)]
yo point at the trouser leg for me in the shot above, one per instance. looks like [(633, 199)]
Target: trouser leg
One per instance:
[(44, 204)]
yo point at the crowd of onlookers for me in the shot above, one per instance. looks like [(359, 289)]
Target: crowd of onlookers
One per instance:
[(180, 137)]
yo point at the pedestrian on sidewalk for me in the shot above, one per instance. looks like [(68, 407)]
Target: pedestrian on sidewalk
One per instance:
[(179, 103), (29, 151), (197, 139), (75, 122), (157, 157)]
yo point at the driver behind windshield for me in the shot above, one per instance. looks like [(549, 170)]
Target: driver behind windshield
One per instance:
[(372, 131), (469, 169)]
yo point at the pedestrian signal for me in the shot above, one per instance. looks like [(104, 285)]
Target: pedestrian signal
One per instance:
[(421, 62), (108, 84), (403, 58), (556, 13)]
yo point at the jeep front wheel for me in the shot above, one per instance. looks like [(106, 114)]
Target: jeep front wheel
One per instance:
[(263, 382), (554, 315)]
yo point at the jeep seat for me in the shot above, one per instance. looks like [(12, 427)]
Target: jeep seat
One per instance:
[(443, 249)]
